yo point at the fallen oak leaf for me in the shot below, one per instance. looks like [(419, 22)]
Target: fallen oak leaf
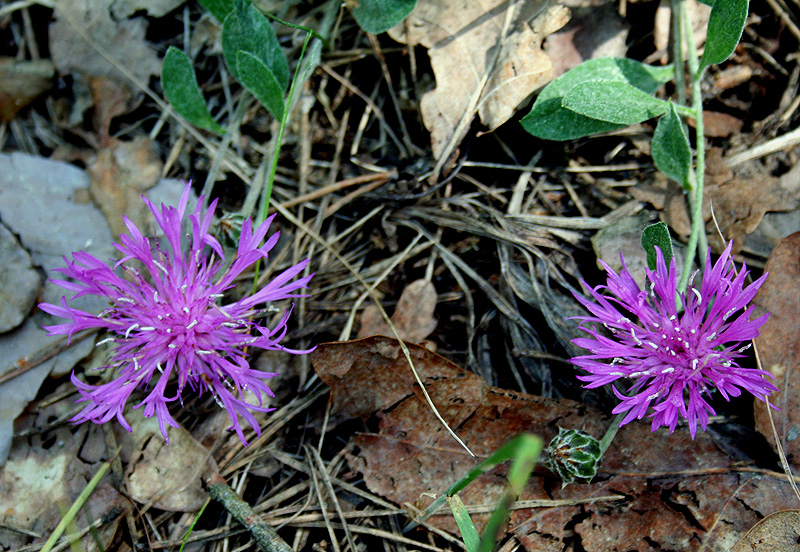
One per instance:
[(412, 454), (779, 346), (479, 66)]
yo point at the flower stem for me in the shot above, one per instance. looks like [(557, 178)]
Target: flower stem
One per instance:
[(696, 201)]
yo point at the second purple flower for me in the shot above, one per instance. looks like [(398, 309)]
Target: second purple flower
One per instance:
[(673, 357)]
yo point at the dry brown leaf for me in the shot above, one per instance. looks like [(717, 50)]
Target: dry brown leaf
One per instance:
[(719, 125), (779, 346), (111, 99), (463, 38), (779, 532), (592, 32), (21, 82), (119, 176), (413, 316), (739, 204), (78, 22), (171, 473), (413, 454), (45, 473)]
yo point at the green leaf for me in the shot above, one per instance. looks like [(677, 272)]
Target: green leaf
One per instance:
[(377, 16), (549, 120), (247, 30), (218, 8), (657, 235), (468, 532), (259, 80), (180, 86), (670, 148), (613, 102), (725, 26)]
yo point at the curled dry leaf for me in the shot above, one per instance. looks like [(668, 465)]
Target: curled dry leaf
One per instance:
[(78, 23), (21, 82), (779, 346), (413, 316), (482, 62), (173, 473), (413, 454), (119, 176)]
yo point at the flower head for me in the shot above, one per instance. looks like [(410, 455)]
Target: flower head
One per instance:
[(674, 358), (167, 319)]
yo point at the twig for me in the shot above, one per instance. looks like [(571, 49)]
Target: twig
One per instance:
[(265, 536)]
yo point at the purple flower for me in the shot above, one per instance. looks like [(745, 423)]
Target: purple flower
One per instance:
[(166, 320), (674, 358)]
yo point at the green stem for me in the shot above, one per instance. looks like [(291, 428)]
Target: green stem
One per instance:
[(267, 191), (698, 224)]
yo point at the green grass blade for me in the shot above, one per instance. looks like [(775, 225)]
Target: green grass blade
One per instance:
[(468, 532), (75, 508), (516, 446)]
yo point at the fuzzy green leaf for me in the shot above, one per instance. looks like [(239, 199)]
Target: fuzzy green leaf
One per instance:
[(613, 102), (247, 30), (259, 80), (725, 26), (549, 120), (180, 86), (377, 16), (670, 148), (657, 235), (218, 8)]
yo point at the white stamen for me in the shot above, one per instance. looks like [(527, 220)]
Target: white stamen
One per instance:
[(216, 295), (126, 300), (697, 294), (161, 267), (633, 335), (186, 310), (203, 352), (183, 288), (160, 368), (711, 337), (668, 370), (147, 328), (694, 363), (743, 349), (653, 345), (155, 296), (230, 324), (192, 325), (729, 313), (129, 330), (653, 396), (103, 342), (172, 346)]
